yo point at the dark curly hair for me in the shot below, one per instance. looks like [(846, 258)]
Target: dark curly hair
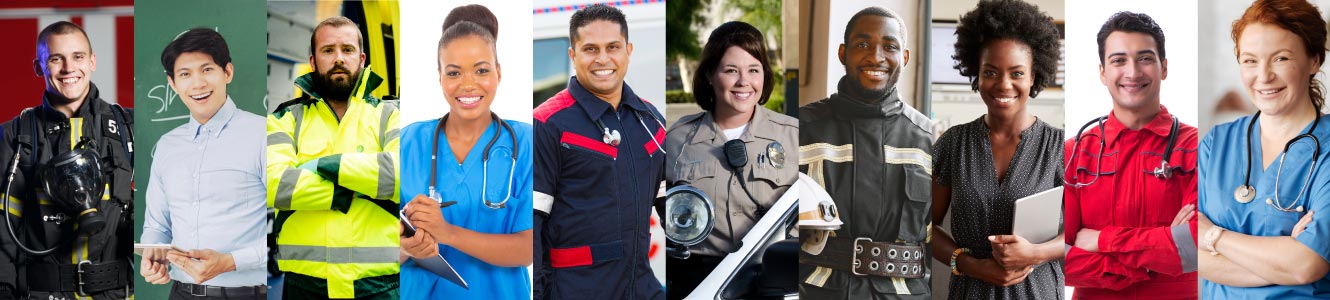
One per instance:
[(730, 34), (1007, 19)]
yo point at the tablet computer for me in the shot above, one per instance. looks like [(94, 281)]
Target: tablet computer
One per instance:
[(1038, 217)]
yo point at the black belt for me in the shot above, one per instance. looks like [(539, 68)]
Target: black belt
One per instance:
[(863, 257), (85, 277), (199, 290)]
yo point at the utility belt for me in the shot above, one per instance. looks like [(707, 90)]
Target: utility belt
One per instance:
[(199, 290), (864, 257), (85, 277)]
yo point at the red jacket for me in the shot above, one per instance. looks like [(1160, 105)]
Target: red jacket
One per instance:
[(1139, 254)]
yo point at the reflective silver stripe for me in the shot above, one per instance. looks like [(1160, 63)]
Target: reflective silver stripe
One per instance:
[(815, 155), (901, 287), (384, 114), (339, 255), (278, 138), (823, 151), (387, 182), (543, 202), (286, 188), (393, 134), (1182, 239), (914, 156), (297, 112), (819, 276)]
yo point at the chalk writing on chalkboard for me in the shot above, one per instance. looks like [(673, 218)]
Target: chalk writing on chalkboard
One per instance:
[(165, 96)]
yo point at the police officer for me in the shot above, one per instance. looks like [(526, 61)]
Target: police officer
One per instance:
[(871, 152), (731, 87), (598, 166), (74, 237)]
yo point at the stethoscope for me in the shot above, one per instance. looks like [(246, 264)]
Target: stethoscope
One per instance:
[(612, 137), (1246, 192), (1163, 171), (484, 185)]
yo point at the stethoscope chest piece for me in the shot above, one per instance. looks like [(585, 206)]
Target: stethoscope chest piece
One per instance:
[(1244, 194)]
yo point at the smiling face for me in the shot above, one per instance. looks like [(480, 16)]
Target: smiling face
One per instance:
[(67, 64), (1005, 76), (469, 77), (201, 84), (600, 58), (1132, 69), (874, 53), (1275, 69), (338, 59), (737, 82)]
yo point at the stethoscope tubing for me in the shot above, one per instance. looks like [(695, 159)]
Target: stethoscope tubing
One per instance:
[(485, 159)]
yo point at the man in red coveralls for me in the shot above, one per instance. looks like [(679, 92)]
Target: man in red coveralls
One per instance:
[(1131, 179)]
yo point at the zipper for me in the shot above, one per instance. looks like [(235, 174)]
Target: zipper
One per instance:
[(632, 169)]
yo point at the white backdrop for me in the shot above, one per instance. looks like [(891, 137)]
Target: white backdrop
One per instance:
[(1088, 98), (422, 25)]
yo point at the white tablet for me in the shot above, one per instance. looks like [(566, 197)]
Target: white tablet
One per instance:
[(1038, 217)]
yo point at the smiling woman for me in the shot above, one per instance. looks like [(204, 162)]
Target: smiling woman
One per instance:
[(1009, 50), (1260, 167)]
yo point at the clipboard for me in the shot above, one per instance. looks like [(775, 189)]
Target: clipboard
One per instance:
[(140, 248), (435, 264)]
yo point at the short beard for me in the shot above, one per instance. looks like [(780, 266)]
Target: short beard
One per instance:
[(331, 89)]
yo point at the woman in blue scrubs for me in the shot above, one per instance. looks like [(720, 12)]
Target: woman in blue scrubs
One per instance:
[(486, 233), (1266, 235)]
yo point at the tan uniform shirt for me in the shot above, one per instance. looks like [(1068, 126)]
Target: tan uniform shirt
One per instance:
[(696, 157)]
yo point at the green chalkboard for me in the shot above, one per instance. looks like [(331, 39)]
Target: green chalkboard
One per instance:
[(157, 107)]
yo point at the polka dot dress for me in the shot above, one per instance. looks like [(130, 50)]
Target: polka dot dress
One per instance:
[(981, 206)]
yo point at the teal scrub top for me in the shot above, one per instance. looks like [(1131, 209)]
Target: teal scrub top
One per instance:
[(461, 182), (1223, 165)]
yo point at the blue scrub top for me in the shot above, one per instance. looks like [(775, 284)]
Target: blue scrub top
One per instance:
[(462, 183), (1223, 161)]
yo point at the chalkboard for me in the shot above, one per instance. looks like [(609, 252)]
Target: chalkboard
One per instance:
[(157, 107)]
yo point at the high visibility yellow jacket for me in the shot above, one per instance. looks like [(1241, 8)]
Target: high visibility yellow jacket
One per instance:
[(334, 183)]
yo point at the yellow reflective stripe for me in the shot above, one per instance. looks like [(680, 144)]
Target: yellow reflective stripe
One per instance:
[(901, 288), (819, 276), (902, 156), (824, 151), (106, 192), (75, 131), (15, 207)]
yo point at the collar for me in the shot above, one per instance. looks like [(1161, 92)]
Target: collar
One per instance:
[(595, 107), (84, 110), (849, 105), (218, 121), (707, 130), (1160, 126), (364, 86)]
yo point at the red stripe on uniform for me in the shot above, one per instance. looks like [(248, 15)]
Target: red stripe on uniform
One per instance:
[(658, 139), (570, 257), (555, 104), (588, 143)]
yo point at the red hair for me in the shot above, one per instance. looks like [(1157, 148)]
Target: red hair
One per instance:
[(1297, 16)]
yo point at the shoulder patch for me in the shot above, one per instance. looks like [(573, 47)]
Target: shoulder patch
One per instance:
[(554, 105)]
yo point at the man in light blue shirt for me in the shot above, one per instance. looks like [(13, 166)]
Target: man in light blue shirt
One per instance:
[(206, 190)]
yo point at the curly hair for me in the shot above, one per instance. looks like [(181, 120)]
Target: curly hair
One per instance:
[(1296, 16), (1007, 19), (730, 34)]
